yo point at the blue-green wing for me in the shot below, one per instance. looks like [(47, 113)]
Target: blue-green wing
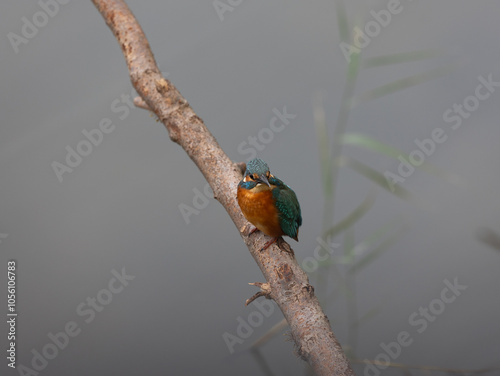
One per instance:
[(288, 207)]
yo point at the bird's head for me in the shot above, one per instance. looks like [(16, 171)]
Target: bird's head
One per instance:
[(257, 172)]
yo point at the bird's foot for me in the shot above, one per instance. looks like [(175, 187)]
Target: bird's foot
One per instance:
[(269, 243), (248, 230), (252, 231)]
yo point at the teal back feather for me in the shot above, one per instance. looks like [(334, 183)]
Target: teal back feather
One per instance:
[(288, 207)]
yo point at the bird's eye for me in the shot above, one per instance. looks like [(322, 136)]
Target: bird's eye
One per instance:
[(253, 176)]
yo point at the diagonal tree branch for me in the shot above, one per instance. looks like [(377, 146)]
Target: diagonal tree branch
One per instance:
[(286, 283)]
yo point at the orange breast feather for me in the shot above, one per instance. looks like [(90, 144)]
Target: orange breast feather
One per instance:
[(258, 208)]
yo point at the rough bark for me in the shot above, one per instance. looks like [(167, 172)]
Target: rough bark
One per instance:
[(287, 284)]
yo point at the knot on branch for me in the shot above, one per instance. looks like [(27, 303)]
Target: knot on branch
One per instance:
[(284, 272), (308, 289), (284, 246), (162, 86)]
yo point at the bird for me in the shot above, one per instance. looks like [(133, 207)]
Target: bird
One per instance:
[(268, 203)]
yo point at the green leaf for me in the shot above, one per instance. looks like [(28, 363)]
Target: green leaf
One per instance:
[(349, 244), (363, 140), (367, 259), (405, 57), (367, 142), (354, 216), (342, 21), (353, 67), (323, 143), (375, 177), (401, 84)]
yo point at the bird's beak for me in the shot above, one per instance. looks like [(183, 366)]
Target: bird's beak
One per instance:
[(263, 179)]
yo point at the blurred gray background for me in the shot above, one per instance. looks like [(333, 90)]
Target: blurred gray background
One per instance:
[(119, 207)]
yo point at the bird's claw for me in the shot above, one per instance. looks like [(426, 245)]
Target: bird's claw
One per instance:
[(268, 244)]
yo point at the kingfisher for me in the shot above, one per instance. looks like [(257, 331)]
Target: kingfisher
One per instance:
[(268, 203)]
